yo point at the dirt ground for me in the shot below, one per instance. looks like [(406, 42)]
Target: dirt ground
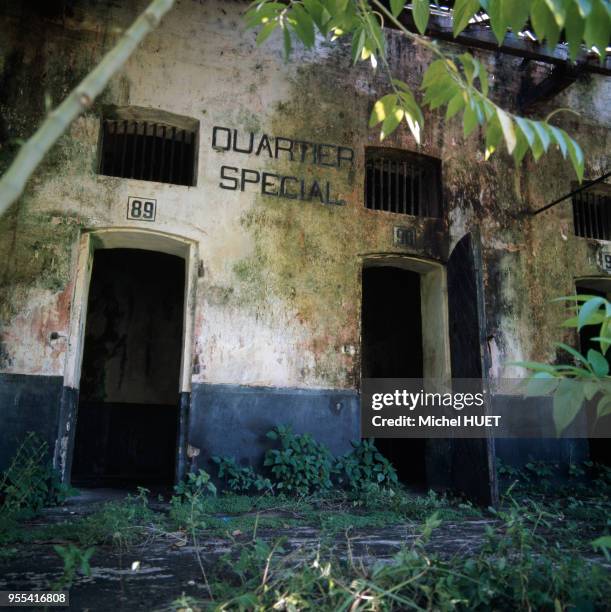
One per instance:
[(152, 575)]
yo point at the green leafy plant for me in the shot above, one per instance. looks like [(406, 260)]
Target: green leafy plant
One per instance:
[(240, 479), (75, 561), (458, 82), (30, 482), (587, 377), (364, 466), (514, 569), (196, 484), (301, 465), (187, 506)]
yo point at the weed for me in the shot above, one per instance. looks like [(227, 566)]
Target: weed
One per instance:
[(301, 465), (75, 561), (364, 466), (30, 482), (187, 507), (241, 479)]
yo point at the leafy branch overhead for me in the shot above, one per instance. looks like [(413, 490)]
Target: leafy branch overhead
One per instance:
[(458, 82)]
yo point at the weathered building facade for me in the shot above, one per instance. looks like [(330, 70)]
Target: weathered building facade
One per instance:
[(220, 244)]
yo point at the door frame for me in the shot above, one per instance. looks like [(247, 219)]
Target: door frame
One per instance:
[(122, 238), (436, 362)]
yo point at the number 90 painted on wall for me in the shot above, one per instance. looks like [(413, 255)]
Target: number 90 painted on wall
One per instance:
[(141, 209)]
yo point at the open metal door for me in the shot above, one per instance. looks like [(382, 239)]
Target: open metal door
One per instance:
[(472, 466)]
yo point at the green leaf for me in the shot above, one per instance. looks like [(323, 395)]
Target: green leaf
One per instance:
[(441, 93), (537, 148), (605, 342), (597, 27), (567, 403), (303, 25), (266, 31), (376, 33), (494, 134), (577, 355), (544, 23), (541, 129), (469, 120), (433, 73), (516, 13), (391, 122), (399, 84), (603, 408), (261, 14), (574, 29), (410, 106), (521, 147), (526, 129), (382, 108), (455, 105), (319, 14), (358, 42), (585, 6), (577, 158), (599, 364), (558, 10), (542, 383), (588, 309), (508, 129), (421, 11), (534, 365), (288, 46), (462, 13), (574, 298), (498, 19), (396, 6), (470, 66), (559, 136)]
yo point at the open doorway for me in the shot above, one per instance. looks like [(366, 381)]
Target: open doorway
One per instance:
[(599, 449), (127, 421), (392, 347)]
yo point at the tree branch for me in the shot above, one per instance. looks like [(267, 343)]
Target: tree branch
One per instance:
[(82, 96)]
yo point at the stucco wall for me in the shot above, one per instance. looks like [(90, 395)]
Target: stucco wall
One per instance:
[(278, 296)]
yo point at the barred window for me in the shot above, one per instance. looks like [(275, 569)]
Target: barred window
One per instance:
[(402, 182), (591, 214), (148, 151)]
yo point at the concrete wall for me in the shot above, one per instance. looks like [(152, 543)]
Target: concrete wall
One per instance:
[(278, 290)]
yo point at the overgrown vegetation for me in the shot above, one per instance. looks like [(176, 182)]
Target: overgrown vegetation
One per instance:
[(508, 573), (535, 552), (302, 466), (30, 482)]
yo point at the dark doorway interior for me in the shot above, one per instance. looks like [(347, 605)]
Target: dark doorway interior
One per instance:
[(391, 347), (599, 448), (128, 406)]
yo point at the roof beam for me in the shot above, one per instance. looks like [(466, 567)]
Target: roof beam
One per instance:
[(480, 37)]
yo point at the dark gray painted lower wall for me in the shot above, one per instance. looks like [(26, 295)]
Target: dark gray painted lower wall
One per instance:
[(232, 420), (516, 452), (27, 403)]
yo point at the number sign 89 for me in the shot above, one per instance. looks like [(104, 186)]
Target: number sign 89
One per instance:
[(141, 209)]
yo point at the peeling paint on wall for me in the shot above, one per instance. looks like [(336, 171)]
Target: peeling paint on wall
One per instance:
[(278, 300)]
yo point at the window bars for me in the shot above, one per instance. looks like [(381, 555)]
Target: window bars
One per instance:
[(148, 151), (591, 215), (402, 182)]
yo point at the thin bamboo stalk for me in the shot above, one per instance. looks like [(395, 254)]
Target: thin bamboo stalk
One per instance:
[(80, 98)]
